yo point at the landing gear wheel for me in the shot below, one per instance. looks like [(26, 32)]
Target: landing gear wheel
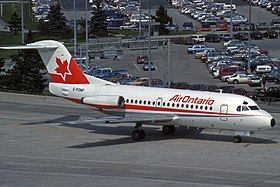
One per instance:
[(138, 135), (168, 129), (237, 139)]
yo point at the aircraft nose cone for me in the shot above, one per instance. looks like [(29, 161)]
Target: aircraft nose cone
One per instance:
[(272, 122)]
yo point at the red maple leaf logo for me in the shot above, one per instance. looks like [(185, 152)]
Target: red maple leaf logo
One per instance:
[(63, 68)]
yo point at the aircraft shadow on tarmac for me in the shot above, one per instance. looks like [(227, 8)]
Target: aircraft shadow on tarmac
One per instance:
[(153, 133)]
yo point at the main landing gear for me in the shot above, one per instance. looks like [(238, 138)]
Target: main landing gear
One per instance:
[(237, 139), (138, 134), (168, 129)]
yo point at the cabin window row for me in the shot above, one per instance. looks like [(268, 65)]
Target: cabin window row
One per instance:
[(163, 104)]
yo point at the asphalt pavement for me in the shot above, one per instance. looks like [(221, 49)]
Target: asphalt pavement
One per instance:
[(38, 149)]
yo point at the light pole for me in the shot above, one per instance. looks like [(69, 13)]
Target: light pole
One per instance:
[(231, 17), (75, 29), (22, 24), (249, 39), (140, 22), (86, 36), (149, 37)]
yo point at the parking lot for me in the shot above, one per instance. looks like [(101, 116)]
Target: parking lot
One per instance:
[(183, 66)]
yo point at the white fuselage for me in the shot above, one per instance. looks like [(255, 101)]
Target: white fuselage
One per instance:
[(188, 108)]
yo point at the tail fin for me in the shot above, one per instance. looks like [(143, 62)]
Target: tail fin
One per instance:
[(60, 64)]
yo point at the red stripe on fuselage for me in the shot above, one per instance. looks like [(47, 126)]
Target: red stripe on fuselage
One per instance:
[(159, 109)]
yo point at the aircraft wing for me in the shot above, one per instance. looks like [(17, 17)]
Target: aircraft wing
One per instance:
[(30, 46), (130, 119)]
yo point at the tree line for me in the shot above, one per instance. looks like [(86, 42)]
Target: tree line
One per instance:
[(27, 73)]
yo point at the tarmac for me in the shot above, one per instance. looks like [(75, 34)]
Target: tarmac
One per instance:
[(37, 148)]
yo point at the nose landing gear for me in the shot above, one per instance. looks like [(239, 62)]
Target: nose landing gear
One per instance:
[(138, 134), (237, 139)]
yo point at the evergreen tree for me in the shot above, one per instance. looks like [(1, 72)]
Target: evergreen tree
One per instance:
[(27, 74), (162, 18), (2, 69), (15, 23), (55, 26), (2, 63), (98, 22)]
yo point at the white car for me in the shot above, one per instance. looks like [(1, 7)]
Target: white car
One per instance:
[(128, 26), (238, 78), (198, 38)]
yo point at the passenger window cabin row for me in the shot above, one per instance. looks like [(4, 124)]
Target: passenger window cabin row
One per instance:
[(173, 105)]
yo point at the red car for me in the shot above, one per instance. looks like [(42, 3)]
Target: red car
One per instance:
[(141, 59)]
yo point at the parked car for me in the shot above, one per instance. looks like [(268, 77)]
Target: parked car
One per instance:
[(270, 34), (198, 48), (183, 40), (198, 38), (237, 19), (263, 69), (241, 36), (179, 85), (273, 76), (141, 59), (102, 72), (209, 56), (224, 78), (212, 38), (204, 27), (187, 26), (254, 80), (225, 89), (273, 93), (246, 26), (221, 25), (238, 78), (201, 87), (172, 27), (225, 36), (127, 26), (239, 91), (256, 35), (225, 70), (147, 66)]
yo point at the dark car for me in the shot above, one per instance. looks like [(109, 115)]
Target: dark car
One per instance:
[(212, 88), (256, 35), (270, 34), (225, 89), (179, 85), (241, 36), (272, 76), (147, 66), (201, 87), (183, 40), (212, 38), (239, 91), (172, 27), (187, 26), (274, 93)]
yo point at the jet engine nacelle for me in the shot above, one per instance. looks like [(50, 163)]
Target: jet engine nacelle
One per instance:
[(104, 100)]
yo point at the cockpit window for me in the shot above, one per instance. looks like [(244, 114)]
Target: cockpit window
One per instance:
[(242, 108), (238, 108), (254, 108)]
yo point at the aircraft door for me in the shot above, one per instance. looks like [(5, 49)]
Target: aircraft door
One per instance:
[(223, 112), (159, 102)]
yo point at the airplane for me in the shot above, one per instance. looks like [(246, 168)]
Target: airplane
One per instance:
[(166, 107)]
